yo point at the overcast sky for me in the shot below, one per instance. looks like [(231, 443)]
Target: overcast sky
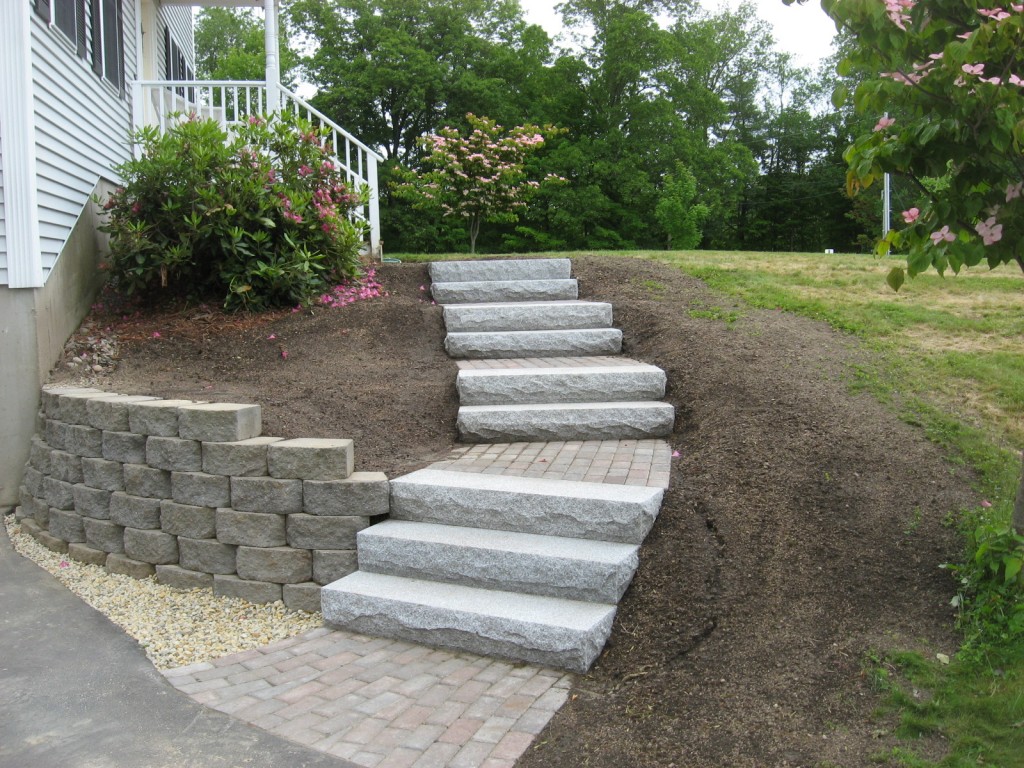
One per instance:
[(803, 30)]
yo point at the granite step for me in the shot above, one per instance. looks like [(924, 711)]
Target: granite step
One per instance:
[(500, 269), (554, 566), (506, 291), (569, 384), (537, 422), (514, 344), (567, 508), (542, 630), (527, 316)]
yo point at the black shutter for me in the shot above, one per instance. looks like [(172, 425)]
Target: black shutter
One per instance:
[(43, 10), (80, 27), (97, 37), (168, 66), (120, 48)]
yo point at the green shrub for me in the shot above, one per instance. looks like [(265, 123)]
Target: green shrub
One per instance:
[(258, 216)]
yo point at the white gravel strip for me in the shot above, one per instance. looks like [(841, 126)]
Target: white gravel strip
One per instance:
[(176, 627)]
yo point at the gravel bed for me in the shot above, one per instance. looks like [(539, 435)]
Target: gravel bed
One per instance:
[(175, 627)]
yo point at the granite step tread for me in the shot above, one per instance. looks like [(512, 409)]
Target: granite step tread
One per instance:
[(555, 566), (518, 344), (568, 384), (535, 422), (504, 291), (479, 270), (527, 316), (543, 630)]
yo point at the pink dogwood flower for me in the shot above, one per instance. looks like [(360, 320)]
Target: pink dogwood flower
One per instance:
[(942, 235), (884, 123), (910, 215)]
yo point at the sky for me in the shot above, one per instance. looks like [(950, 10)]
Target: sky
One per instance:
[(803, 30)]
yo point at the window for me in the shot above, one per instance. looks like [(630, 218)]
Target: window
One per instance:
[(175, 66), (104, 19)]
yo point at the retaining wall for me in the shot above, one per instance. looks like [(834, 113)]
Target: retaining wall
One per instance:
[(192, 493)]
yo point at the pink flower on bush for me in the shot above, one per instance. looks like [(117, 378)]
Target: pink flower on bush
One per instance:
[(910, 215), (1013, 191), (305, 170), (884, 123), (973, 69), (990, 231), (942, 235)]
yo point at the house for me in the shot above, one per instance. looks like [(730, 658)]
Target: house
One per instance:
[(75, 77)]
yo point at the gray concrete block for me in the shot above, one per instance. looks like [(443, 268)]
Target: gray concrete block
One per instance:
[(84, 440), (174, 454), (30, 526), (49, 398), (515, 344), (73, 408), (134, 511), (32, 479), (142, 480), (149, 546), (527, 316), (361, 493), (125, 447), (86, 554), (621, 513), (155, 417), (126, 566), (66, 526), (206, 555), (266, 494), (51, 542), (200, 489), (187, 520), (540, 630), (504, 291), (103, 474), (542, 422), (39, 454), (324, 532), (66, 467), (219, 422), (302, 597), (251, 529), (91, 502), (111, 413), (246, 458), (182, 578), (54, 432), (252, 591), (41, 515), (584, 384), (500, 269), (34, 507), (311, 458), (58, 494), (104, 535), (331, 564), (281, 565), (575, 569)]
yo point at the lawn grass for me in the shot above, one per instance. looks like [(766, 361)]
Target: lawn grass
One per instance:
[(947, 356)]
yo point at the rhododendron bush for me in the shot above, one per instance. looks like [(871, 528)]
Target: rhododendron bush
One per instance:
[(258, 216), (946, 84)]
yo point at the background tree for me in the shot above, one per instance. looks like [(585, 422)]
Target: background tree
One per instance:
[(230, 45), (678, 212)]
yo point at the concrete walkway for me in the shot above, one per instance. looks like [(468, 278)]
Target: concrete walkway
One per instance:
[(76, 692)]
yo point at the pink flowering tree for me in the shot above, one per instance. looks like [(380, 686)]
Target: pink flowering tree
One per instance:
[(480, 176)]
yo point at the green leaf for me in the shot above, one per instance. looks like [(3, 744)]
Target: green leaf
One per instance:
[(895, 278), (1013, 565)]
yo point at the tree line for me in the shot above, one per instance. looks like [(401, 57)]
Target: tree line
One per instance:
[(678, 127)]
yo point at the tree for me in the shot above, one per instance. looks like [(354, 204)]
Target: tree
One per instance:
[(678, 214), (230, 45), (479, 177), (947, 99)]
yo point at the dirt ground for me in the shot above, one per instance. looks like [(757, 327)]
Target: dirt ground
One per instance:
[(803, 530)]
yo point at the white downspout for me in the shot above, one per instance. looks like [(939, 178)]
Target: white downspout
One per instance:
[(273, 75)]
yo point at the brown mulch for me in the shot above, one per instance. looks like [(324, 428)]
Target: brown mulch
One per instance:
[(804, 527)]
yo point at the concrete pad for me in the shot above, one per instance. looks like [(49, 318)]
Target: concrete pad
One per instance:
[(527, 316), (604, 512), (543, 630), (515, 344), (561, 385), (504, 291), (564, 421), (574, 569), (500, 269)]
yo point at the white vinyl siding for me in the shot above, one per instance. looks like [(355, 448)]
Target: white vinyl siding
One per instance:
[(82, 127), (3, 218)]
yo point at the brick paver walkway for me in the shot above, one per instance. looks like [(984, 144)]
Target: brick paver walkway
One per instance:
[(382, 703), (621, 462)]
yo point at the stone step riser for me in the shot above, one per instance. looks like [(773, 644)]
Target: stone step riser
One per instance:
[(504, 291), (535, 316), (584, 385), (577, 510), (540, 630), (512, 344), (574, 569), (549, 423), (503, 270)]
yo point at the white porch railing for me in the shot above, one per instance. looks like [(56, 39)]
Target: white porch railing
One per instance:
[(230, 102)]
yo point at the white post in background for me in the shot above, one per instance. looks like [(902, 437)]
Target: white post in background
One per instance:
[(886, 206), (273, 70)]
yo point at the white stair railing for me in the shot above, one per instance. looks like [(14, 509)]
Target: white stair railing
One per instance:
[(231, 102)]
